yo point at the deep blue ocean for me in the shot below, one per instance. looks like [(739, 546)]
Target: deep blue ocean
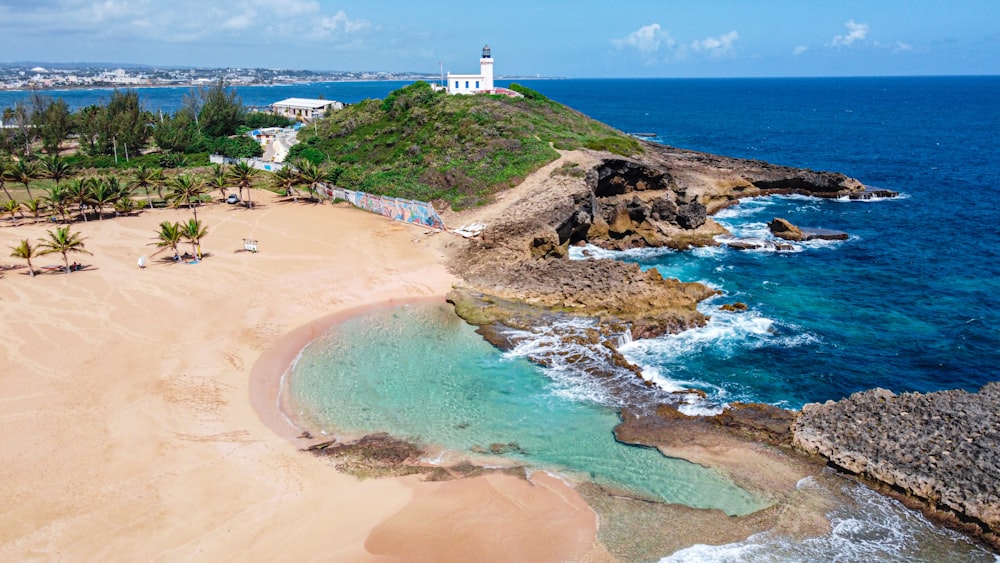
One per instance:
[(908, 302)]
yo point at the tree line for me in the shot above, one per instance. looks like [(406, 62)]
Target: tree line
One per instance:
[(209, 120)]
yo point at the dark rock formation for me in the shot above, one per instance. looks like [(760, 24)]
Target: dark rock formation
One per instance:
[(782, 228), (823, 234), (942, 448)]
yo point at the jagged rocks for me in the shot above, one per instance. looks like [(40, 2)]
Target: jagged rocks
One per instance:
[(691, 215), (605, 289), (620, 176), (943, 447)]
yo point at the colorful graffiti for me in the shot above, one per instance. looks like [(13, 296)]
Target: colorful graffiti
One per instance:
[(406, 210)]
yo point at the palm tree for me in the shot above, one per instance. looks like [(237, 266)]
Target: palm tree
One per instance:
[(193, 231), (25, 251), (25, 172), (312, 175), (243, 174), (78, 192), (185, 190), (121, 192), (159, 180), (102, 192), (61, 241), (124, 206), (143, 178), (169, 236), (11, 206), (4, 170), (57, 169), (219, 179), (35, 206), (58, 198), (285, 179)]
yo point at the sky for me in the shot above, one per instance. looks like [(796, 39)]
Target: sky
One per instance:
[(573, 39)]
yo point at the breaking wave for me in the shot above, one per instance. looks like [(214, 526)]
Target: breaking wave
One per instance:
[(865, 527)]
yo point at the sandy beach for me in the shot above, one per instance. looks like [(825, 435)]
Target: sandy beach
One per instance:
[(129, 422)]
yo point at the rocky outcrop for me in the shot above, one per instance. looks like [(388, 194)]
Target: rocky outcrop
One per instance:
[(662, 198), (716, 181), (942, 448), (611, 291), (784, 229)]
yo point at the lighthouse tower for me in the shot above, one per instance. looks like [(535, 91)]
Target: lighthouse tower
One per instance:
[(474, 83), (486, 69)]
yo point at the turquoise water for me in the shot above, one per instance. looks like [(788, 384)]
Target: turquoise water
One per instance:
[(421, 373)]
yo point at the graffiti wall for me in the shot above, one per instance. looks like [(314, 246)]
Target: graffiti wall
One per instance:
[(406, 210)]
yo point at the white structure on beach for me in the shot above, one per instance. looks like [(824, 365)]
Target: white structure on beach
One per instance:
[(474, 83), (305, 109)]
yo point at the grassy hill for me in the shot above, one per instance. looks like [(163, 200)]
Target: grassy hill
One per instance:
[(421, 144)]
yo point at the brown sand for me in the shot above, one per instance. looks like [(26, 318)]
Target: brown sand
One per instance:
[(128, 420)]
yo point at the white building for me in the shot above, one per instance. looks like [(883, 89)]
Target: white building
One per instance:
[(474, 83), (305, 109)]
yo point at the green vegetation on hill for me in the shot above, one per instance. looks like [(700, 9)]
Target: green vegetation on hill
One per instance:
[(426, 145)]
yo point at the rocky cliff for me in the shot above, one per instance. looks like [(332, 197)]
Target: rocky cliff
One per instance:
[(942, 448)]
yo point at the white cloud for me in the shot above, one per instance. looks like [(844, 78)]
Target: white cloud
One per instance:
[(856, 32), (902, 47), (655, 44), (716, 46), (339, 23), (240, 21), (180, 20), (799, 49), (647, 39)]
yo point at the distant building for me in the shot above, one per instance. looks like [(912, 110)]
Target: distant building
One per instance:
[(481, 83), (305, 109)]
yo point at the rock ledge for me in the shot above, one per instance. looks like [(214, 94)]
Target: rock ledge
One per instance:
[(940, 448)]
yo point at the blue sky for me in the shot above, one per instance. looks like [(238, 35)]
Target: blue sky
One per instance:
[(582, 38)]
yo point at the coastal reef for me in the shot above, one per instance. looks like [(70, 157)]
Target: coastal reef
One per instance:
[(942, 448)]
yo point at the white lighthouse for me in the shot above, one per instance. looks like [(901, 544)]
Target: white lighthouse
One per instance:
[(474, 83)]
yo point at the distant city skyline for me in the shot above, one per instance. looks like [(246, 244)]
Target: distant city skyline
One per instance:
[(630, 38)]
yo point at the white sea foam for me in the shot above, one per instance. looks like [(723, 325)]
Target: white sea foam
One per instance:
[(563, 362), (591, 252), (700, 409), (726, 334), (847, 199), (865, 526)]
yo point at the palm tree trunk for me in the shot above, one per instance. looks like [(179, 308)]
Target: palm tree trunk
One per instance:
[(149, 198), (65, 261)]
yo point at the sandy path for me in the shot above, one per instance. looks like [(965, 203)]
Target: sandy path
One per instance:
[(128, 429)]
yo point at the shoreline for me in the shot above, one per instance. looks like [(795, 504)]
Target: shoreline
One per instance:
[(140, 438)]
